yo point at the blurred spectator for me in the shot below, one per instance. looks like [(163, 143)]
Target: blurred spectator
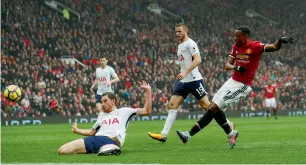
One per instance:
[(141, 46)]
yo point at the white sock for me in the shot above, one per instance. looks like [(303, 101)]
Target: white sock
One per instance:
[(169, 122), (231, 133), (229, 122)]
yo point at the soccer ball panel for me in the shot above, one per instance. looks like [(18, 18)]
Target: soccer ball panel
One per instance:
[(6, 93), (12, 88), (18, 91), (13, 96), (12, 93)]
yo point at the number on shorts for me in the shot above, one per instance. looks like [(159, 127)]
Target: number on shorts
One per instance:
[(201, 90)]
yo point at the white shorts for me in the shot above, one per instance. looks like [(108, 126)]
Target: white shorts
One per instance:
[(270, 103), (230, 93)]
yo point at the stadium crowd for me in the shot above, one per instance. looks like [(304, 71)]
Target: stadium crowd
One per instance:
[(140, 45)]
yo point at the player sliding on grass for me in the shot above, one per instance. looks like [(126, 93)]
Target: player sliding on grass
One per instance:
[(108, 134), (191, 82), (246, 53)]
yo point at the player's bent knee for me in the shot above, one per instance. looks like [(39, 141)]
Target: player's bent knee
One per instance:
[(213, 107), (172, 106), (64, 150), (68, 148), (204, 103), (204, 106)]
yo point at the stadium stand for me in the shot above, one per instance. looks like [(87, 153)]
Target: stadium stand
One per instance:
[(140, 45)]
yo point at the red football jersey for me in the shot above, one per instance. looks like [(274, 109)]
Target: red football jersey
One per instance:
[(270, 91), (247, 56), (252, 94)]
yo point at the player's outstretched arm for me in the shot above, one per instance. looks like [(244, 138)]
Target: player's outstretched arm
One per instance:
[(146, 110), (83, 132), (278, 44)]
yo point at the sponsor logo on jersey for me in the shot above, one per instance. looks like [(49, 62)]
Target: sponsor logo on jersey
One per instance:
[(248, 51)]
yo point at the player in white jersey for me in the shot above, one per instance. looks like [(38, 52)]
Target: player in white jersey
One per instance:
[(105, 76), (191, 81), (108, 134)]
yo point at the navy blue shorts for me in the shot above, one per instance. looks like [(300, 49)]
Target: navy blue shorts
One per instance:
[(94, 143), (196, 88), (98, 98)]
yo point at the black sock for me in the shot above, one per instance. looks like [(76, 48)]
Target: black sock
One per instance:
[(274, 113), (221, 120), (203, 122), (268, 112)]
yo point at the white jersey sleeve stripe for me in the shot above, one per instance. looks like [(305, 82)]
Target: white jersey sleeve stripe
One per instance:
[(128, 120)]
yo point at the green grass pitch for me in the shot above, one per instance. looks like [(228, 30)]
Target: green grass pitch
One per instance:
[(261, 141)]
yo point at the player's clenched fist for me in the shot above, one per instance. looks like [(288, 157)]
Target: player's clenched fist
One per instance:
[(240, 69), (74, 127), (180, 76), (286, 40)]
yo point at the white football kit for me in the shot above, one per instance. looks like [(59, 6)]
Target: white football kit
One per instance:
[(230, 93), (271, 102), (185, 52), (103, 76), (115, 123)]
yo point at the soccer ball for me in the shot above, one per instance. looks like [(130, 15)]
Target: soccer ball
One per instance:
[(12, 93)]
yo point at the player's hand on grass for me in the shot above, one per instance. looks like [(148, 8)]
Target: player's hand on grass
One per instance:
[(180, 76), (286, 40), (145, 85), (240, 69), (74, 127)]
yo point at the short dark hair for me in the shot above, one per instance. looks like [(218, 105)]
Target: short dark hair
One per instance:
[(244, 29), (111, 96), (183, 25)]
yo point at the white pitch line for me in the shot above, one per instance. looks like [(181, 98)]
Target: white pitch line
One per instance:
[(126, 164), (75, 164)]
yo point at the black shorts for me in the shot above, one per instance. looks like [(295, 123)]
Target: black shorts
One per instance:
[(94, 143), (98, 98), (196, 88)]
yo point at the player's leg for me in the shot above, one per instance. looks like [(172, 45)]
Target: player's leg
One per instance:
[(228, 94), (268, 107), (98, 103), (213, 112), (205, 103), (92, 144), (107, 146), (274, 107), (268, 112), (274, 113), (179, 94), (201, 95), (73, 147), (174, 103), (233, 92)]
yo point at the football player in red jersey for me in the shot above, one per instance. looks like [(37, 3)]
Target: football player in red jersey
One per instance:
[(270, 101), (244, 60)]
